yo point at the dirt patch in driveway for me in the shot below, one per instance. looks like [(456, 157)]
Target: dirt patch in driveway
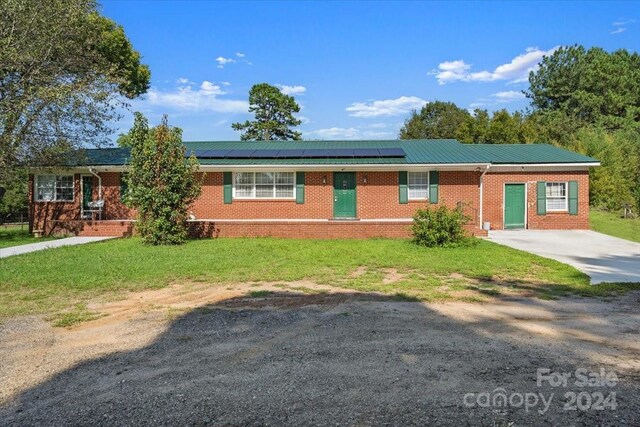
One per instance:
[(270, 354)]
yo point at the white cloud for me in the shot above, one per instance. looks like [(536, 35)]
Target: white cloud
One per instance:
[(334, 133), (210, 88), (184, 81), (225, 83), (621, 25), (348, 133), (222, 61), (292, 90), (241, 58), (508, 96), (517, 70), (205, 98), (387, 107)]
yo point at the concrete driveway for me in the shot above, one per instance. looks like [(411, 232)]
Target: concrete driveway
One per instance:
[(604, 258), (49, 244)]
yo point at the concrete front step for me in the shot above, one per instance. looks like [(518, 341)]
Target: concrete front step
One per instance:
[(108, 228)]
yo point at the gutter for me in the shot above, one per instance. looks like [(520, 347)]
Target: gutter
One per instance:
[(314, 167), (93, 172), (482, 193)]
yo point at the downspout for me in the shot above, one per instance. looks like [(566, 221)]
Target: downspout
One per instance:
[(481, 194), (93, 172)]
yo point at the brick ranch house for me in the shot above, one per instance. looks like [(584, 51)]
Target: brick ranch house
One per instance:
[(331, 189)]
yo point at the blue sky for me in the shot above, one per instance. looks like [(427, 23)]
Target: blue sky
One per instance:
[(357, 69)]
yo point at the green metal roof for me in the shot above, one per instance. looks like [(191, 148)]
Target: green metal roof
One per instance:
[(526, 154), (428, 151)]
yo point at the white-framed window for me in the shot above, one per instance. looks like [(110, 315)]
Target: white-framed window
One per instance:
[(264, 185), (556, 194), (418, 185), (54, 188)]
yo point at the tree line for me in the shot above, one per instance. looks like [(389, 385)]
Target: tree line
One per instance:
[(584, 100)]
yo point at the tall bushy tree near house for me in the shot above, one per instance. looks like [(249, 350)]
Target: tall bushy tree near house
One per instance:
[(273, 115), (591, 86), (64, 70), (436, 120), (162, 182), (588, 100)]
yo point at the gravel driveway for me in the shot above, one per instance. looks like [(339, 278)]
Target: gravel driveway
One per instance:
[(317, 359), (604, 258)]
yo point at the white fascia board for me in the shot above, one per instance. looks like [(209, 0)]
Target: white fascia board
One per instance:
[(344, 167), (359, 167), (307, 167), (542, 167)]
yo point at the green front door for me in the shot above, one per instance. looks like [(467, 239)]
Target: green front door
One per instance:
[(87, 182), (514, 205), (344, 194)]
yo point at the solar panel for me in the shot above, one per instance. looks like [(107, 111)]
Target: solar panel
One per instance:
[(207, 154), (290, 154), (366, 152), (341, 152), (391, 152), (217, 154), (197, 153), (315, 154), (239, 154), (265, 154)]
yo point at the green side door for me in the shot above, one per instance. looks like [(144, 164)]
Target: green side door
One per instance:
[(514, 205), (87, 183), (344, 194)]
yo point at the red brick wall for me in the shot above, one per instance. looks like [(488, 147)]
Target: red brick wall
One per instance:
[(41, 213), (317, 204), (377, 198), (494, 199)]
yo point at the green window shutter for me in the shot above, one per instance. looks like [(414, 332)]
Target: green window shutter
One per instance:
[(299, 187), (124, 189), (434, 181), (228, 187), (541, 197), (402, 187), (573, 197)]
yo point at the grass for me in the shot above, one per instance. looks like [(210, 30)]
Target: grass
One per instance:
[(13, 235), (54, 280), (614, 225), (80, 313)]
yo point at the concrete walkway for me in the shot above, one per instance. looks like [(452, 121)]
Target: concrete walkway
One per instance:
[(32, 247), (604, 258)]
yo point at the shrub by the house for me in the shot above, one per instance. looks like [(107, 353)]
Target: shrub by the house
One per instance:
[(162, 182), (440, 226)]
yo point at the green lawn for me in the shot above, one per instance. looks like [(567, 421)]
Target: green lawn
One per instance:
[(15, 235), (614, 225), (56, 279)]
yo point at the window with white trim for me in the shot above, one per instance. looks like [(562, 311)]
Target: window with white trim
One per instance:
[(418, 185), (264, 185), (556, 195), (54, 188)]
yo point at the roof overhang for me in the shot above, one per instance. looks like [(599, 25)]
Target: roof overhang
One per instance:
[(540, 167), (543, 167), (304, 167)]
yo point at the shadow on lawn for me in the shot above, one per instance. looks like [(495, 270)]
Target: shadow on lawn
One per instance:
[(343, 358)]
